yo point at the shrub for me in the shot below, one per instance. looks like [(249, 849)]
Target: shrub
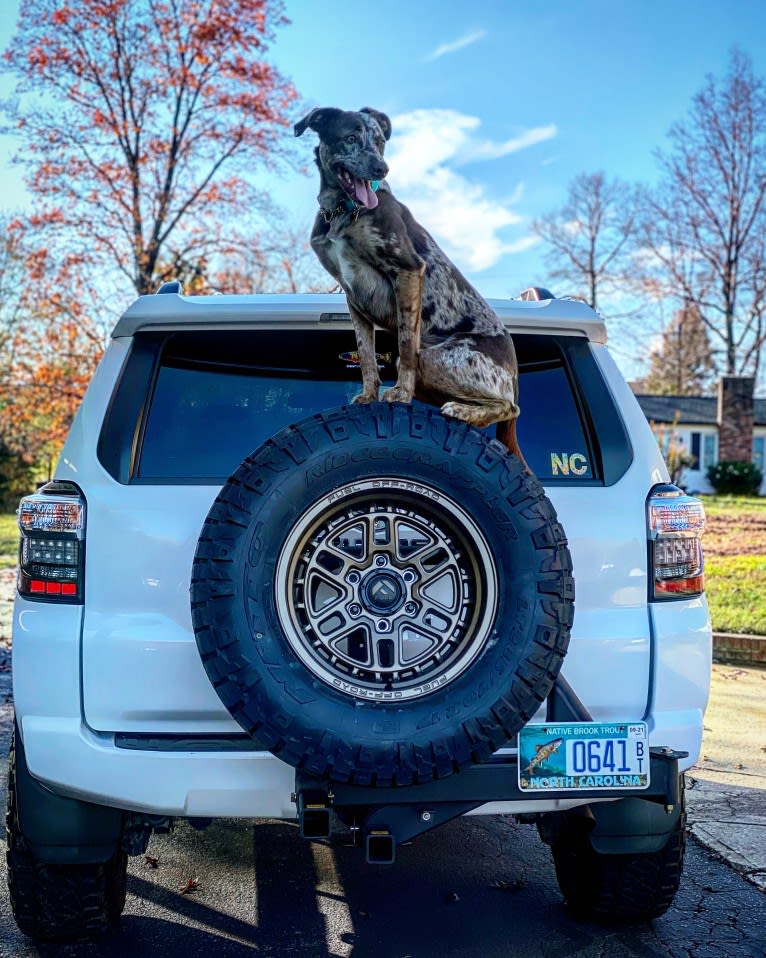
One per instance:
[(677, 458), (735, 478)]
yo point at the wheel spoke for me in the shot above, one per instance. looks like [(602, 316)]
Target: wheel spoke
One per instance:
[(388, 594)]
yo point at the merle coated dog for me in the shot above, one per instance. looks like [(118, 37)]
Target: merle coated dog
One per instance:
[(453, 350)]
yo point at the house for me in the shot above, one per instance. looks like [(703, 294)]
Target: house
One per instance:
[(729, 426)]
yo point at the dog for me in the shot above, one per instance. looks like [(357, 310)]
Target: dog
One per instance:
[(453, 350)]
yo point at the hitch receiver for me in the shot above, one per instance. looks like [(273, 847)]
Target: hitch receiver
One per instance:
[(314, 812), (379, 847)]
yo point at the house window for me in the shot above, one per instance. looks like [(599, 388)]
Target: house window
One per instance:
[(759, 448), (703, 448), (695, 450), (709, 452)]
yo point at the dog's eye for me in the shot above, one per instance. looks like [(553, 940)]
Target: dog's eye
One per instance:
[(351, 138)]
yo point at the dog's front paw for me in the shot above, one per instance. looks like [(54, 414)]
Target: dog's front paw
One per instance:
[(366, 397), (454, 409), (397, 394)]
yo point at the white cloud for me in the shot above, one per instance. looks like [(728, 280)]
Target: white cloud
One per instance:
[(487, 150), (454, 45), (425, 148)]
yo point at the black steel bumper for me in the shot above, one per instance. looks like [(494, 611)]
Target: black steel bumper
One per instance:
[(388, 816)]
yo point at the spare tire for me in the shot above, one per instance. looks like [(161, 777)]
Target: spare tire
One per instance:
[(382, 595)]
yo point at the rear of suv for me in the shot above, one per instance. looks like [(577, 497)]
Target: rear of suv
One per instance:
[(243, 595)]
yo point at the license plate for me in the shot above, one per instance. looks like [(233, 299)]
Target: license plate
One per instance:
[(569, 757)]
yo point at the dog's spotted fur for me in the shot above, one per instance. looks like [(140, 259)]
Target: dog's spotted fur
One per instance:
[(453, 350)]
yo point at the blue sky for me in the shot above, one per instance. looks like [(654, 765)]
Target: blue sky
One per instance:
[(496, 105)]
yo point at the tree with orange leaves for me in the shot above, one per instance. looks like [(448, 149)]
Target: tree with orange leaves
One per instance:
[(49, 348), (140, 121)]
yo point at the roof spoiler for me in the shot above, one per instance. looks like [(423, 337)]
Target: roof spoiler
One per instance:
[(172, 287)]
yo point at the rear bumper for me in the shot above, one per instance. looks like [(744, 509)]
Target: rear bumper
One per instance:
[(75, 762)]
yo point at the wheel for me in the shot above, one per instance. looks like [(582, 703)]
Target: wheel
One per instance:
[(58, 902), (618, 888), (382, 595)]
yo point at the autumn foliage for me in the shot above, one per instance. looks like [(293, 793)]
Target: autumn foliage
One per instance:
[(142, 125), (141, 121), (49, 348)]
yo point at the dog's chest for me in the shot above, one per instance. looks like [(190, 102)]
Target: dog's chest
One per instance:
[(351, 260)]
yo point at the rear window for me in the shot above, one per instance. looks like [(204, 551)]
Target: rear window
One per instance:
[(216, 396)]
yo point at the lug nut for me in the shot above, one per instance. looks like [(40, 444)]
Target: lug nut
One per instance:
[(354, 609), (381, 560), (410, 608)]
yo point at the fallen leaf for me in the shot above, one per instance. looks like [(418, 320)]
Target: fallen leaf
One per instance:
[(151, 861), (191, 885)]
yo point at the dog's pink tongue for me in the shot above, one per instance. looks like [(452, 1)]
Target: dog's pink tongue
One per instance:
[(364, 193)]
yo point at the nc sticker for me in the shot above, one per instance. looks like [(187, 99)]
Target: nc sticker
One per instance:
[(569, 464)]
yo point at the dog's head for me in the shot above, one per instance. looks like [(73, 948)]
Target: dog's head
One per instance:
[(350, 152)]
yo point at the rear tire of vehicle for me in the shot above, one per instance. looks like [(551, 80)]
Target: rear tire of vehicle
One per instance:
[(381, 595), (618, 888), (59, 903)]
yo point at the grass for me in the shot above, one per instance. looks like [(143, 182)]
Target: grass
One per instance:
[(735, 563), (735, 584), (736, 593), (734, 505), (9, 541)]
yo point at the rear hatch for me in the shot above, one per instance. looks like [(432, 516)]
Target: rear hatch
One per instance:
[(190, 403)]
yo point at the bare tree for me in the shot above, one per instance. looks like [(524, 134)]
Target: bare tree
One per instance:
[(274, 260), (279, 260), (703, 226), (589, 237), (683, 365)]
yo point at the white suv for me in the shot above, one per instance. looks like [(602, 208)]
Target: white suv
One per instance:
[(367, 623)]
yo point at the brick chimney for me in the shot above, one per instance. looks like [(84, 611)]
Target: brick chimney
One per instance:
[(736, 411)]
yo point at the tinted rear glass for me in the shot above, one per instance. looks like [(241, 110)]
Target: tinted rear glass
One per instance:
[(215, 397)]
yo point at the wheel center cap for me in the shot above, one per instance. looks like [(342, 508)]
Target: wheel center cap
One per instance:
[(382, 592)]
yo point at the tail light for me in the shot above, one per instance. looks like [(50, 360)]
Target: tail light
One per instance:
[(52, 545), (676, 523)]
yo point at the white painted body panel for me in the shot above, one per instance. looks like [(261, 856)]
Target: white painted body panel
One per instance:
[(129, 662)]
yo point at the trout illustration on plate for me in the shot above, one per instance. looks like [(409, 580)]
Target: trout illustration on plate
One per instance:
[(543, 753)]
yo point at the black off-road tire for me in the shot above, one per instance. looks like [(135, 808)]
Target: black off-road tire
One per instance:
[(618, 888), (59, 902), (358, 510)]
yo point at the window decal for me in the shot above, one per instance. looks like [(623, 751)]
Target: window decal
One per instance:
[(569, 464), (351, 359)]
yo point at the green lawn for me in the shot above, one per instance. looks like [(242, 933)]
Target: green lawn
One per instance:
[(736, 592), (735, 563), (9, 541), (734, 505)]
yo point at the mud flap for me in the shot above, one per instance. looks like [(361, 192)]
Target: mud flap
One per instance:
[(62, 831)]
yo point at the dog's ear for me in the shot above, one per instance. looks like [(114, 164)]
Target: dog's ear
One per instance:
[(382, 120), (317, 120)]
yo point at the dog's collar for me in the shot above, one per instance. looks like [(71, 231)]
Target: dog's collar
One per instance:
[(347, 206)]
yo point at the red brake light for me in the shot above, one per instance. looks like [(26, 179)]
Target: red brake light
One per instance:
[(51, 548), (676, 523)]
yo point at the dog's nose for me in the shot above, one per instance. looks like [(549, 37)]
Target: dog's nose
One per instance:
[(381, 170)]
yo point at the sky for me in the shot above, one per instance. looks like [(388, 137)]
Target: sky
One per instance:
[(497, 105)]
